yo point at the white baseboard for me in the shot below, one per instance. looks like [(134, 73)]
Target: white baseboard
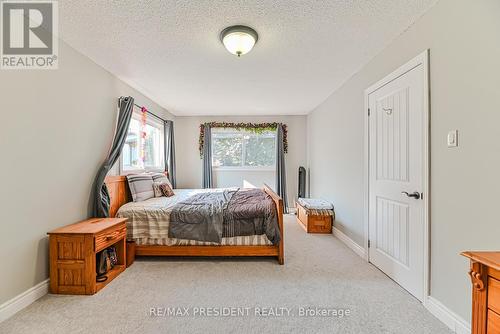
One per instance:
[(448, 317), (16, 304), (349, 243)]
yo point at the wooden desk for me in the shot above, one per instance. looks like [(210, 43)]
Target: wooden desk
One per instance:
[(73, 250), (485, 275)]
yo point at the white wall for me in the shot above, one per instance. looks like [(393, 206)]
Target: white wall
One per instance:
[(463, 38), (57, 126), (189, 164)]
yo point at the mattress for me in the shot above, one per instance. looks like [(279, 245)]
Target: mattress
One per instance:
[(148, 223)]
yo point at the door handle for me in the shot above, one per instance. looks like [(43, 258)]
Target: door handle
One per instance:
[(415, 194)]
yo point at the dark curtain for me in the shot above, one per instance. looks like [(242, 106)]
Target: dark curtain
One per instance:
[(170, 152), (207, 157), (100, 207), (280, 167)]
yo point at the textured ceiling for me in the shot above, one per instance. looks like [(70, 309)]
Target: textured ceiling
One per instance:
[(170, 51)]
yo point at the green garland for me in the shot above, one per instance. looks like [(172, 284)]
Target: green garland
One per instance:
[(253, 127)]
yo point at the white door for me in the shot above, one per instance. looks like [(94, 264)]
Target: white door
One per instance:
[(397, 139)]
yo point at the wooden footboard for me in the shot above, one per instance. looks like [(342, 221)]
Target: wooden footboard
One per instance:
[(278, 201), (120, 195)]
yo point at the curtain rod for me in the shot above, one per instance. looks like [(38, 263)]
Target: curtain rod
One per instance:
[(149, 112)]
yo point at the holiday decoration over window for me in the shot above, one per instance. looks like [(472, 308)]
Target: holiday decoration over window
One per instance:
[(253, 127)]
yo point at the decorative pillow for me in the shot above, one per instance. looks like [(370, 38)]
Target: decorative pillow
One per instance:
[(166, 189), (141, 187), (157, 190)]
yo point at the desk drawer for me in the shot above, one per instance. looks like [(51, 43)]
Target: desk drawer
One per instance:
[(494, 294), (493, 326), (107, 238)]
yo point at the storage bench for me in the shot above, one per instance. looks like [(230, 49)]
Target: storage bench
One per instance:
[(315, 220)]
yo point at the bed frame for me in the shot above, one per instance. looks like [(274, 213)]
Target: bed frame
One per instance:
[(120, 194)]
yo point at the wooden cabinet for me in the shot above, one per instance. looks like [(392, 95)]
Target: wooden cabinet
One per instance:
[(485, 275), (73, 250), (314, 223)]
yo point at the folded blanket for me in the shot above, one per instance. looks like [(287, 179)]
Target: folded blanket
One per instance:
[(317, 204)]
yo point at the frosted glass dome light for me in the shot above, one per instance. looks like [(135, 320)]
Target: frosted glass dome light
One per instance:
[(239, 40)]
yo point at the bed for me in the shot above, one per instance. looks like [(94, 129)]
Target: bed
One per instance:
[(147, 226)]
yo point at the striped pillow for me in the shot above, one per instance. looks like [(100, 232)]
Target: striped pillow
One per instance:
[(162, 178), (141, 187)]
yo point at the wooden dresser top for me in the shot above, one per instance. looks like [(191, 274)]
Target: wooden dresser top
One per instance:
[(490, 259), (89, 226)]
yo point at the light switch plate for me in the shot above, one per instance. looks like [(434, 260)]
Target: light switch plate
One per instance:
[(453, 138)]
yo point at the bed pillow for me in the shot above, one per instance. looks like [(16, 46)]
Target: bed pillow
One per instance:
[(162, 178), (141, 187)]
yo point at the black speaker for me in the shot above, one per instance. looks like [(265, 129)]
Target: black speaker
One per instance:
[(302, 182)]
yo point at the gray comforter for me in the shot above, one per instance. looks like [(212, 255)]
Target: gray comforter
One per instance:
[(233, 212)]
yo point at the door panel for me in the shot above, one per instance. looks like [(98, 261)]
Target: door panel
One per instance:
[(396, 165), (392, 230), (392, 142)]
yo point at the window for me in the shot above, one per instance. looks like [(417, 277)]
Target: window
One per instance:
[(153, 144), (243, 149)]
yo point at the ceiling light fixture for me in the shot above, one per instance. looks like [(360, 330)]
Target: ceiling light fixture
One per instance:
[(239, 39)]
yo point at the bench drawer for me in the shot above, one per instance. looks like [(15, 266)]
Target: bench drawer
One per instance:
[(109, 237), (320, 224)]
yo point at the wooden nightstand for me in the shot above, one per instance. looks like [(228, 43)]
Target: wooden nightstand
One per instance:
[(73, 250)]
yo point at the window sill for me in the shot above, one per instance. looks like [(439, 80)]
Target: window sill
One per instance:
[(242, 169), (140, 171)]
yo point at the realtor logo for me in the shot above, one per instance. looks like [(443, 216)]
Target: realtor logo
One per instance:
[(29, 34)]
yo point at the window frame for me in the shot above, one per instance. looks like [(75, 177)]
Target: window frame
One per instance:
[(243, 167), (153, 121)]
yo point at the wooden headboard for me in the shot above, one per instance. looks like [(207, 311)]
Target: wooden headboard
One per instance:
[(119, 193)]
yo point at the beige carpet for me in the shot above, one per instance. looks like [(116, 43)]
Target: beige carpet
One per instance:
[(320, 272)]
